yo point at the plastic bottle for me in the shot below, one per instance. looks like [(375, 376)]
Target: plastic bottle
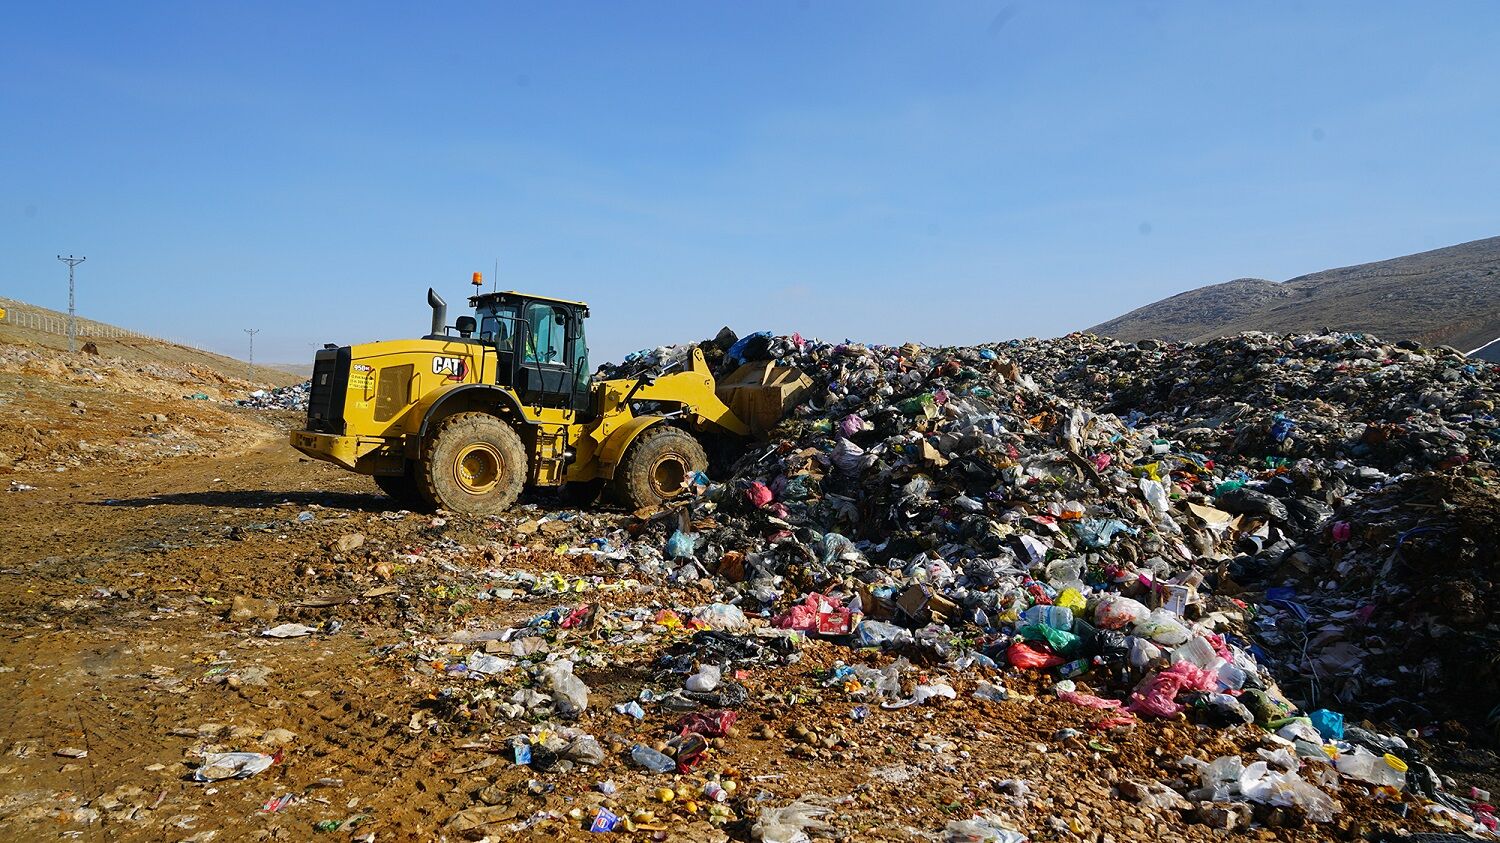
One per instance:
[(1057, 617), (652, 760), (1077, 667)]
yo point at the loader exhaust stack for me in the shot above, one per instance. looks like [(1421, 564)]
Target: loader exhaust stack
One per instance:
[(439, 312)]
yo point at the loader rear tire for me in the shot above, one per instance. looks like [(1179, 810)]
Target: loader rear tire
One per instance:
[(657, 467), (474, 463), (402, 488)]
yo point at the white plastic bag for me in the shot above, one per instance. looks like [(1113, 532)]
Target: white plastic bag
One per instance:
[(569, 694), (1163, 627), (706, 679), (790, 823), (1116, 612)]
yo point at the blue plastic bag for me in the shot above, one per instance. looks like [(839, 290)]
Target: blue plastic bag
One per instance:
[(681, 545), (1330, 724)]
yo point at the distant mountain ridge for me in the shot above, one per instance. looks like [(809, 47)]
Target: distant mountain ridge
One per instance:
[(1447, 296)]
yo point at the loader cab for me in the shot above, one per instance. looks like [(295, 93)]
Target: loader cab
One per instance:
[(541, 352)]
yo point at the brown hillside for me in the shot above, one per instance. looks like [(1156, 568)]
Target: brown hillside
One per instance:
[(1448, 296)]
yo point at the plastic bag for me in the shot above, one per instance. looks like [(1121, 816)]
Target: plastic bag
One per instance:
[(759, 494), (880, 634), (1097, 533), (681, 545), (233, 765), (990, 691), (1156, 495), (1116, 612), (1142, 652), (1072, 598), (923, 693), (1157, 693), (1163, 627), (705, 680), (1027, 657), (569, 695), (835, 546), (981, 829), (1227, 711), (1089, 700), (725, 616), (848, 456), (789, 824), (1258, 783), (1063, 643), (712, 724), (584, 749), (1330, 724), (816, 613), (1064, 571)]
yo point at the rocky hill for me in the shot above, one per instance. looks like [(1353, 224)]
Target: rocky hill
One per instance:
[(1448, 296)]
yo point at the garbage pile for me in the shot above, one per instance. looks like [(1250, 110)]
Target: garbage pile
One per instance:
[(1132, 522), (1396, 407), (281, 398), (1391, 612)]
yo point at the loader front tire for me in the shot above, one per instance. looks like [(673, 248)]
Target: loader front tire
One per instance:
[(474, 463), (657, 467)]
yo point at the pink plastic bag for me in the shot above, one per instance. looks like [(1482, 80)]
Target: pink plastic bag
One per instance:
[(759, 494), (1157, 693), (815, 612), (851, 424), (1089, 700)]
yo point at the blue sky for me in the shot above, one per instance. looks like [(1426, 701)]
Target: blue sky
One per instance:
[(944, 172)]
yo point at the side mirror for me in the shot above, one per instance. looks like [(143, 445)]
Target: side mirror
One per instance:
[(465, 325)]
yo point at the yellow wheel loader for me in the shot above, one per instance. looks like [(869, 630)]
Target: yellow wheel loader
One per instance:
[(469, 415)]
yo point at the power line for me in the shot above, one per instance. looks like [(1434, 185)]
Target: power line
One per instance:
[(250, 376), (72, 314)]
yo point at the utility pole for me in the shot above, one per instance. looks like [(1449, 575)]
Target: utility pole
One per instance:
[(252, 332), (72, 319)]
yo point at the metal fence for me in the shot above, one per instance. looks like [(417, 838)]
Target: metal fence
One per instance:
[(55, 323)]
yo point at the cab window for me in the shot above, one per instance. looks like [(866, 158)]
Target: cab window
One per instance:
[(548, 334), (498, 327)]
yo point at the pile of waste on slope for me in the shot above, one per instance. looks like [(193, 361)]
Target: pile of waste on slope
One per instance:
[(281, 398), (1397, 407), (1141, 523)]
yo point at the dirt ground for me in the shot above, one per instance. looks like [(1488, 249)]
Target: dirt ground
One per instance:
[(135, 586)]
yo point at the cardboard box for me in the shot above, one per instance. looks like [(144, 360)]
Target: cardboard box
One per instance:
[(760, 393)]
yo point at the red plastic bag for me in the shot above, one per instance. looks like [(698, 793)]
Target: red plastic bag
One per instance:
[(1032, 657), (713, 724)]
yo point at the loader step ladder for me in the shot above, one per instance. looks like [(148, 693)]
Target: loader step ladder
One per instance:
[(549, 457)]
